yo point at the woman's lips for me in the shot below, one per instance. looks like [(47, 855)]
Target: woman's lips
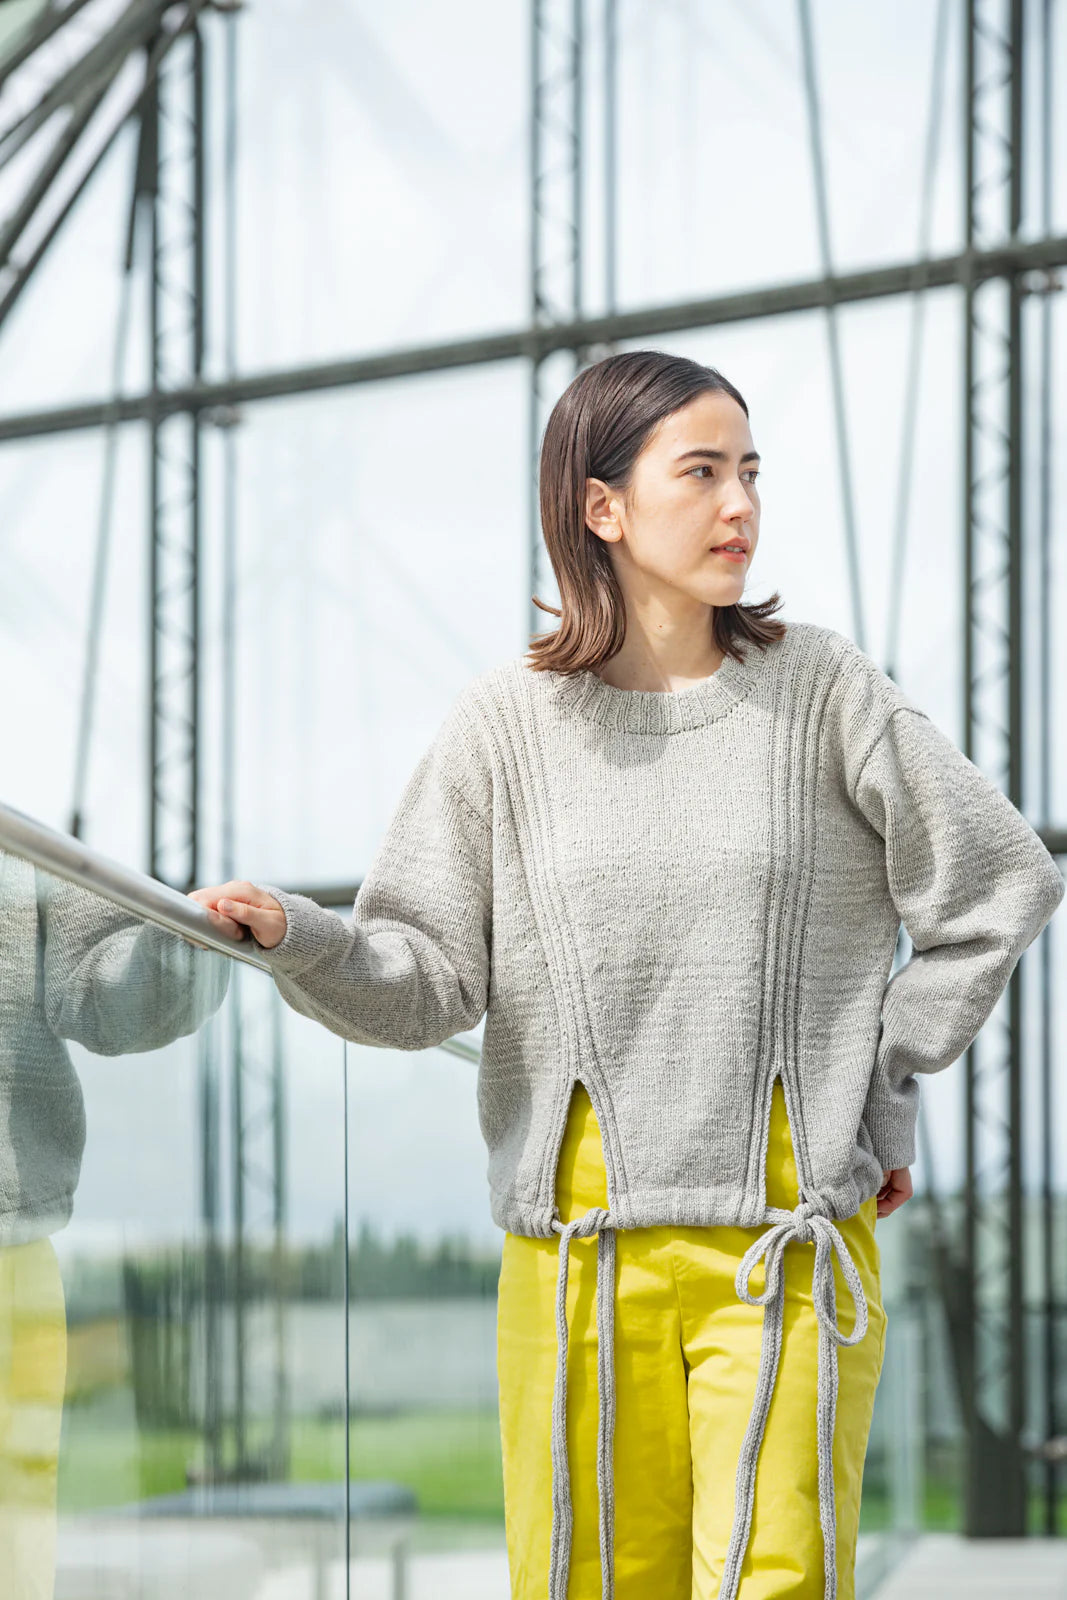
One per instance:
[(730, 555)]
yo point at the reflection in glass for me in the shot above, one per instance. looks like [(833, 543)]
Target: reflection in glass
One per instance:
[(73, 968)]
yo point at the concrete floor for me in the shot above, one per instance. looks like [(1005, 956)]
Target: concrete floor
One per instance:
[(937, 1567), (218, 1564), (945, 1566), (452, 1575)]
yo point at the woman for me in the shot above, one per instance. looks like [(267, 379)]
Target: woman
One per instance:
[(668, 852)]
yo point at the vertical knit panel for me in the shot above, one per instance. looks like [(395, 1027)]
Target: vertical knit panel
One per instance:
[(813, 688)]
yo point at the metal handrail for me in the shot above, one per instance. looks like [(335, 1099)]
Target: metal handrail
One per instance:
[(157, 902), (70, 858)]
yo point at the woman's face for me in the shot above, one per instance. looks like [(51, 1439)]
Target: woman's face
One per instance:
[(693, 491)]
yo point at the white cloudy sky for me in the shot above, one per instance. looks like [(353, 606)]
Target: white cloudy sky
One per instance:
[(383, 200)]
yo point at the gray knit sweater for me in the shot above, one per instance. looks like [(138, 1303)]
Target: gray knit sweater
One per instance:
[(76, 966), (675, 897)]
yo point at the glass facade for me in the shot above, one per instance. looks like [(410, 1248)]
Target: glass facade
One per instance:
[(248, 1275)]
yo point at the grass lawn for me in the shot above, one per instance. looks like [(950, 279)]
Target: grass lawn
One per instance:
[(449, 1458)]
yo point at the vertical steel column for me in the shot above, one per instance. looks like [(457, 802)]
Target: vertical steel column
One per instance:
[(261, 1440), (555, 235), (557, 231), (174, 121), (1053, 1246), (212, 1276), (260, 1446), (172, 174), (993, 1234), (174, 142)]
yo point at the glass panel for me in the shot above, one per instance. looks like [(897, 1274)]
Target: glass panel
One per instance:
[(424, 1266), (50, 500), (716, 193), (381, 565), (382, 164), (379, 166), (891, 1510), (61, 333), (172, 1301)]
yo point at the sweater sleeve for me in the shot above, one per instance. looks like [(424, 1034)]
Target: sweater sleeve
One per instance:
[(412, 969), (974, 885), (115, 983)]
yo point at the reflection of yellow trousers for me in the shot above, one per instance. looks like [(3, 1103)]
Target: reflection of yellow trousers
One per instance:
[(33, 1362), (686, 1359)]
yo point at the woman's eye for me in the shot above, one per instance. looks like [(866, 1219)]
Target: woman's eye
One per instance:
[(752, 473)]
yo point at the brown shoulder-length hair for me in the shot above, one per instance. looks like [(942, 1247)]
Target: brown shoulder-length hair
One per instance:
[(597, 429)]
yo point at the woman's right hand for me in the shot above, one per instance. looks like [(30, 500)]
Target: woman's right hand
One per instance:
[(895, 1191), (238, 905)]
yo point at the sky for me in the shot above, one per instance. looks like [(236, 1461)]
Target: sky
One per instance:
[(383, 201)]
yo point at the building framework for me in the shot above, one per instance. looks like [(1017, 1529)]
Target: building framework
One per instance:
[(1004, 279)]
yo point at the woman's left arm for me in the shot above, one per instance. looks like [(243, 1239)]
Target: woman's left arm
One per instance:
[(116, 984), (974, 885)]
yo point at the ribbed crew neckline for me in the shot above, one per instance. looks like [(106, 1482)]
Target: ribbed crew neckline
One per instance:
[(656, 710)]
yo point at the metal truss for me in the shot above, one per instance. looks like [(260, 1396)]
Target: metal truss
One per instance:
[(170, 173), (555, 235), (995, 1233)]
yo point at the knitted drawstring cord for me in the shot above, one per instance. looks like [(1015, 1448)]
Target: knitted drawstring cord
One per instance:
[(805, 1223)]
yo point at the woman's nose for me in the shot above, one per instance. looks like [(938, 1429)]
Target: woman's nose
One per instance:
[(739, 505)]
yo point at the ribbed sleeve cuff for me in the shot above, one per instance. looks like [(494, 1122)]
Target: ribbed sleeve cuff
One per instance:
[(891, 1116), (309, 928)]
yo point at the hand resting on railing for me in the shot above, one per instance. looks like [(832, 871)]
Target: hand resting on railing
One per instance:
[(237, 905)]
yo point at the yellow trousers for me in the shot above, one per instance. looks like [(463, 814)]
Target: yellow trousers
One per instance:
[(33, 1364), (686, 1360)]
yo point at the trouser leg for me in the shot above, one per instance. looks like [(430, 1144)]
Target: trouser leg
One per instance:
[(33, 1356), (652, 1469), (721, 1337)]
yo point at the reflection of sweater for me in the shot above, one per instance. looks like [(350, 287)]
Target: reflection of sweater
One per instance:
[(76, 966), (675, 897)]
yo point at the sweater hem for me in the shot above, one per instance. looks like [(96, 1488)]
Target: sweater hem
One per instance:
[(686, 1208), (26, 1224)]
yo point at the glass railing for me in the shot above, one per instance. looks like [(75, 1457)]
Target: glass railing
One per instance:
[(173, 1314), (247, 1325), (212, 1380)]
